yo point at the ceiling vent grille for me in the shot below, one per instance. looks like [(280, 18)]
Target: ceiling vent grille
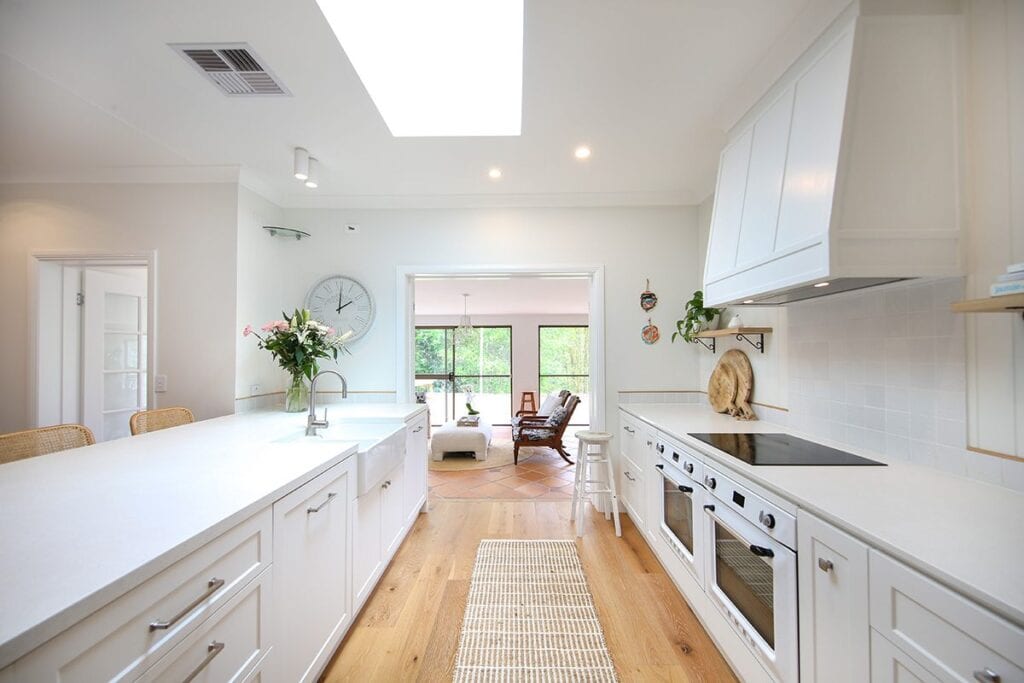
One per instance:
[(233, 67)]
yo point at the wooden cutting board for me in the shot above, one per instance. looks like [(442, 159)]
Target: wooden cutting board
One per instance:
[(732, 385)]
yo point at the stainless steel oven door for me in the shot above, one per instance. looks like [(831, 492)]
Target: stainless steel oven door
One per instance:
[(681, 501), (751, 578)]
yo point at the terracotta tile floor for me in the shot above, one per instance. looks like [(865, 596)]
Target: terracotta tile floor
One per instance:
[(542, 476)]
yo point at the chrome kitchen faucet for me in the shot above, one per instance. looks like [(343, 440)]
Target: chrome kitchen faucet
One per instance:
[(311, 422)]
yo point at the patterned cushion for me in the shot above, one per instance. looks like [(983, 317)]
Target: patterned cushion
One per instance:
[(537, 434), (557, 417)]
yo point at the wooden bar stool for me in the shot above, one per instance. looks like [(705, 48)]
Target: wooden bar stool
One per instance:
[(593, 450), (528, 403)]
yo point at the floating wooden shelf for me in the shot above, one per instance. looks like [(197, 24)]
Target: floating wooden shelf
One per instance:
[(741, 333), (1011, 303)]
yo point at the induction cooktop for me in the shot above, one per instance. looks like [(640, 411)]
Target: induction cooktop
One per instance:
[(780, 449)]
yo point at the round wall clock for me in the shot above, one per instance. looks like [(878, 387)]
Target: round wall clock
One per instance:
[(343, 303)]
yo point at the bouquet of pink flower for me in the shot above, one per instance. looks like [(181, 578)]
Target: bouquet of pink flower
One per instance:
[(296, 342)]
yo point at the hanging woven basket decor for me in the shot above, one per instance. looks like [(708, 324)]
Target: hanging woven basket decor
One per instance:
[(648, 299), (650, 333)]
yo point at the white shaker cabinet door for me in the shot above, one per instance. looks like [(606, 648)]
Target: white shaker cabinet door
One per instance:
[(764, 182), (833, 599), (812, 160), (392, 511), (368, 554), (728, 209), (415, 467), (312, 561)]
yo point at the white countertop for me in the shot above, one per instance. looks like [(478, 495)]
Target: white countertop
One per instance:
[(966, 534), (82, 527)]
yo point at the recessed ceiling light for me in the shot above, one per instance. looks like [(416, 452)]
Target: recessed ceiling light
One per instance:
[(822, 284), (436, 69), (494, 173), (582, 152), (301, 164), (313, 181)]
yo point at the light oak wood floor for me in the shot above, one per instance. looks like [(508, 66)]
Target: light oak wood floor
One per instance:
[(409, 628)]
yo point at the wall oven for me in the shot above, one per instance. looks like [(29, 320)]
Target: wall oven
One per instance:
[(751, 571), (681, 501)]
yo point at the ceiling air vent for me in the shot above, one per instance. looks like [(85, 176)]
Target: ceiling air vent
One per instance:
[(233, 67)]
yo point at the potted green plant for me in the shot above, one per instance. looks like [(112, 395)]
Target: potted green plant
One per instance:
[(696, 318)]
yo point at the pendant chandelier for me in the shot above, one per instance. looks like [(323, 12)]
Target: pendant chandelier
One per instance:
[(464, 333)]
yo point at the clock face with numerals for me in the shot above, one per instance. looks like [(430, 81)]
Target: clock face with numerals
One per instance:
[(343, 303)]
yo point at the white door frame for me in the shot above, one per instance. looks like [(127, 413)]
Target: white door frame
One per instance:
[(406, 321), (97, 259)]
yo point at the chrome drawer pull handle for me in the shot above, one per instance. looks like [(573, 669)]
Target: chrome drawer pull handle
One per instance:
[(987, 675), (318, 508), (631, 431), (418, 429), (825, 565), (629, 476), (212, 586), (212, 650)]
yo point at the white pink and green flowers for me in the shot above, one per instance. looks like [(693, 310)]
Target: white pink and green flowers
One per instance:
[(297, 341)]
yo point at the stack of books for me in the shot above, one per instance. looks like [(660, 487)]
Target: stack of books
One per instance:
[(469, 421), (1010, 282)]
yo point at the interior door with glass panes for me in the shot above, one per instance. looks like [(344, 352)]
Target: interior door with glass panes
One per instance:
[(113, 351)]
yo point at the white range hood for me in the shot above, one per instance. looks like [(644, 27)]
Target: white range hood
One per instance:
[(849, 170)]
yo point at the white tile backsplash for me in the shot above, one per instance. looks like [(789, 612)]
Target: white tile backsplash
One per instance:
[(884, 369)]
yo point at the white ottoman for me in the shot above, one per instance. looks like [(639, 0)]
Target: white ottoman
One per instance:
[(450, 438)]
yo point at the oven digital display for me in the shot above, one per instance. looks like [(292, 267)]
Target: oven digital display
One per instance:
[(738, 498)]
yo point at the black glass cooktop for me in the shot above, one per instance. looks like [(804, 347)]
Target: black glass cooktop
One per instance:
[(780, 449)]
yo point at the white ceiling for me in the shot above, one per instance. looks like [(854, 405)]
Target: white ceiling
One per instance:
[(513, 296), (88, 87)]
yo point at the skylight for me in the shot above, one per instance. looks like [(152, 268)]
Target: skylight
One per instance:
[(437, 68)]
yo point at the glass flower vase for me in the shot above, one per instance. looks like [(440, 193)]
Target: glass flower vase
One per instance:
[(296, 398)]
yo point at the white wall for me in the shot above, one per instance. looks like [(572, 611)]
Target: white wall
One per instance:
[(633, 244), (525, 347), (192, 227), (995, 136), (262, 294)]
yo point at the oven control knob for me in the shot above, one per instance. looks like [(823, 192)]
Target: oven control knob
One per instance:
[(767, 519), (661, 448), (710, 482), (688, 467)]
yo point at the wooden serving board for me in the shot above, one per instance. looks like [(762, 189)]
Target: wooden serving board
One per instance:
[(732, 385)]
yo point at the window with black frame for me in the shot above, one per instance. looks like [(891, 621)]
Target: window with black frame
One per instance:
[(452, 371), (564, 355)]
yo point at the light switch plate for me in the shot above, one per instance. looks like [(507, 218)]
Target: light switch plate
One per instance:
[(160, 384)]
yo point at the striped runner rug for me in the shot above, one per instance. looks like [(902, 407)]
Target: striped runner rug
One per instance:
[(530, 617)]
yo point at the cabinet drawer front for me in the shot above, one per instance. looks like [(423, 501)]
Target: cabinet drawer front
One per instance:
[(631, 493), (941, 630), (118, 643), (228, 645), (890, 665)]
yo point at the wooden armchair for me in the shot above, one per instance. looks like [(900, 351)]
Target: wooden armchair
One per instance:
[(544, 432), (543, 411)]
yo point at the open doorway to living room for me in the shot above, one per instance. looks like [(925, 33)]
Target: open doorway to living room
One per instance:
[(503, 362)]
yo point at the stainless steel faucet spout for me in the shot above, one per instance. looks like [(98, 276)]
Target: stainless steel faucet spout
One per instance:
[(312, 423)]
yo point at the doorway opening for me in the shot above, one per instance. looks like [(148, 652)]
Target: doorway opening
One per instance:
[(92, 352), (490, 345)]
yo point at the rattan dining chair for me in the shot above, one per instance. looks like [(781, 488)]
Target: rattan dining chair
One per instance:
[(33, 442), (162, 418)]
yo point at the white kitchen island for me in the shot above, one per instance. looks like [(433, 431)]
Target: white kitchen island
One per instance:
[(150, 556)]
